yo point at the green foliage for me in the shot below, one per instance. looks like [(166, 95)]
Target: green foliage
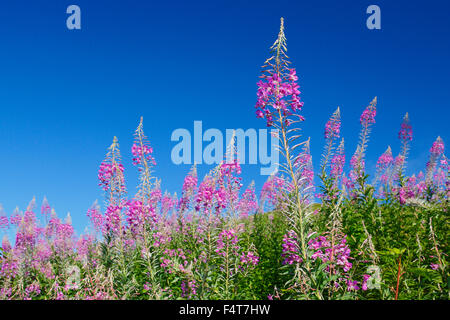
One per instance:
[(269, 229)]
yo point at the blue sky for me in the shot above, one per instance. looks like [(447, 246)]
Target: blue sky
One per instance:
[(65, 93)]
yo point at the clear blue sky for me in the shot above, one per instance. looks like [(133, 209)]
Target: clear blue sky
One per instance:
[(64, 94)]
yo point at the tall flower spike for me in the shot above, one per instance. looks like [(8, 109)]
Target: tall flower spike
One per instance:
[(229, 181), (4, 222), (337, 163), (31, 205), (95, 216), (16, 216), (113, 182), (405, 136), (142, 157), (270, 192), (279, 103), (6, 245), (332, 133), (45, 208), (278, 95), (68, 219), (111, 175), (248, 204), (188, 190), (367, 119), (383, 166), (437, 149), (405, 133), (307, 171)]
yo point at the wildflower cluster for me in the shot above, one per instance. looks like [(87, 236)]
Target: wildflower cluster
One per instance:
[(218, 240)]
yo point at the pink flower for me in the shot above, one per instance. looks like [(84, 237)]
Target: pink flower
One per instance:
[(368, 115), (405, 133), (248, 204), (113, 220), (33, 289), (139, 214), (249, 258), (140, 153), (339, 253), (293, 75), (270, 190), (95, 216), (366, 278), (205, 195), (278, 93), (4, 222), (6, 245), (333, 126), (437, 148), (45, 207), (290, 248), (226, 242), (352, 285), (190, 184), (106, 173), (338, 161), (385, 159), (167, 204)]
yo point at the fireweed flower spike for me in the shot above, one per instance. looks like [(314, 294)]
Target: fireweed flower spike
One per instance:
[(95, 216), (4, 222), (437, 149), (384, 165), (229, 186), (442, 177), (188, 190), (112, 181), (278, 94), (141, 212), (248, 204), (332, 133), (6, 245), (337, 163), (45, 208), (367, 119), (354, 174), (278, 101), (229, 179), (143, 159), (205, 195), (270, 192), (307, 171), (405, 135), (330, 179)]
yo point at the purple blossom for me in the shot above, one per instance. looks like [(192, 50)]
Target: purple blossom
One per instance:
[(248, 204), (226, 242), (352, 285), (95, 216), (368, 115), (405, 133), (290, 248), (366, 278), (438, 147), (249, 258), (333, 126)]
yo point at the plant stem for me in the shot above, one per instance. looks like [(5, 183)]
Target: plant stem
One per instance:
[(399, 274)]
